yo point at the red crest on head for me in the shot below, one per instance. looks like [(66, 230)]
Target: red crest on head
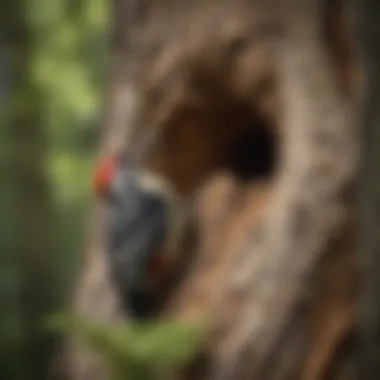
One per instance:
[(104, 174)]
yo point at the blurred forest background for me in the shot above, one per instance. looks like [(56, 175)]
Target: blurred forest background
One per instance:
[(52, 71)]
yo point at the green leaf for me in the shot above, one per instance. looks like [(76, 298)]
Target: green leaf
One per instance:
[(167, 344), (137, 350)]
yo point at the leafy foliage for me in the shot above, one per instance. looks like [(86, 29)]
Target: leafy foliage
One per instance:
[(53, 60), (139, 350), (69, 68)]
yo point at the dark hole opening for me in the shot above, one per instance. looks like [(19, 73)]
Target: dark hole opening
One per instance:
[(253, 154)]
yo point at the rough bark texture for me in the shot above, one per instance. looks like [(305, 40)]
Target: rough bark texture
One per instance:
[(303, 248), (275, 267)]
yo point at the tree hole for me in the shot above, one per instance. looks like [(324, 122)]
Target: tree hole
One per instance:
[(253, 154)]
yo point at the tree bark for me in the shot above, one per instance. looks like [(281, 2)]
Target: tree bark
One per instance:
[(287, 301), (280, 285)]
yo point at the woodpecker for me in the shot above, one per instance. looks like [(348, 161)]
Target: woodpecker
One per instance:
[(136, 229)]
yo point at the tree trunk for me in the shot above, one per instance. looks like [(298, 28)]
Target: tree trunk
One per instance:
[(278, 275), (284, 302)]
